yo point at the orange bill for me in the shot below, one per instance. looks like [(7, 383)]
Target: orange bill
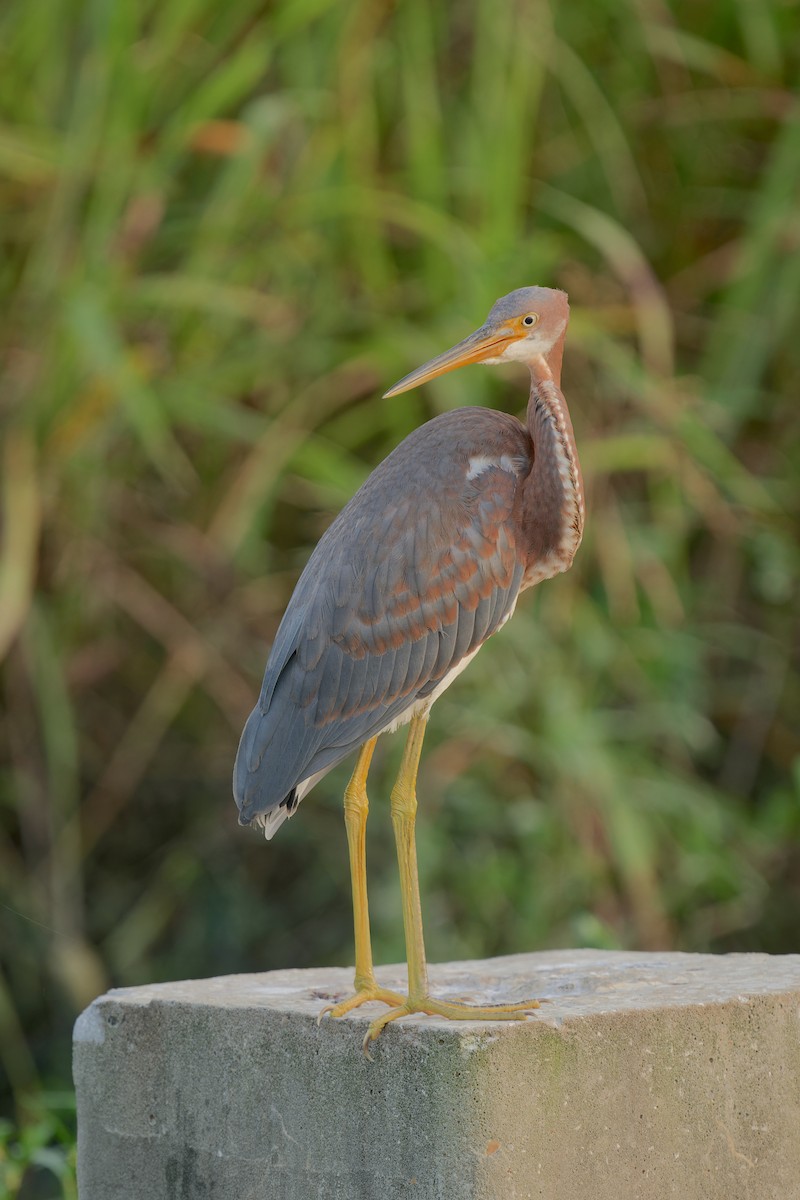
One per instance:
[(485, 343)]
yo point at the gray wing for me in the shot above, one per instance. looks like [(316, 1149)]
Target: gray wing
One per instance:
[(412, 576)]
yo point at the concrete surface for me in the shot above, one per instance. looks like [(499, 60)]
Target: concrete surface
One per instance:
[(646, 1075)]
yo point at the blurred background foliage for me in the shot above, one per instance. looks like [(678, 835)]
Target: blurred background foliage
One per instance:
[(225, 230)]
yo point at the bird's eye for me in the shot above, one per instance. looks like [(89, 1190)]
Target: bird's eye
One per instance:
[(531, 319)]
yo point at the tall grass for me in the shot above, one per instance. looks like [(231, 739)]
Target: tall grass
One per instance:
[(225, 230)]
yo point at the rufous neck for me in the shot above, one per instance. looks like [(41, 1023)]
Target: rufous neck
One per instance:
[(554, 496)]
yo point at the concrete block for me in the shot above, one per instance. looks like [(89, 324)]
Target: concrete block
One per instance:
[(645, 1075)]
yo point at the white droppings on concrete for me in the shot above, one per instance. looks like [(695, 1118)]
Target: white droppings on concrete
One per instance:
[(90, 1026)]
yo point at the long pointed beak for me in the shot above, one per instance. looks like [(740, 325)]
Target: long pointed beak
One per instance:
[(485, 343)]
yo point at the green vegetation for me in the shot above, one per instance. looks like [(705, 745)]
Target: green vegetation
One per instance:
[(225, 229), (41, 1152)]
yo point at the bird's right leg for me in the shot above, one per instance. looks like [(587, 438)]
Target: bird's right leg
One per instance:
[(356, 809)]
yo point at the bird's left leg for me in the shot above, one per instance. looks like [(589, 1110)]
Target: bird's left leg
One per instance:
[(356, 809), (404, 811)]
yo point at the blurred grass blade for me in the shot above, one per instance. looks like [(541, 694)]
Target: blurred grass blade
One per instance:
[(114, 365), (756, 311), (21, 527), (651, 311)]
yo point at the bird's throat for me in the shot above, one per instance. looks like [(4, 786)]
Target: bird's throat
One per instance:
[(553, 500)]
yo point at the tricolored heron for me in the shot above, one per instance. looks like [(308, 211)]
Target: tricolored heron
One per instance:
[(422, 566)]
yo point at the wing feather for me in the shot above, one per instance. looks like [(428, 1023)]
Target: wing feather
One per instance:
[(416, 662), (334, 661)]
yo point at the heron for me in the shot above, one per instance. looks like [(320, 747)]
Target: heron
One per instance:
[(418, 570)]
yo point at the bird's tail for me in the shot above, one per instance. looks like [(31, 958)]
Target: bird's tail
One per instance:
[(265, 772), (271, 821)]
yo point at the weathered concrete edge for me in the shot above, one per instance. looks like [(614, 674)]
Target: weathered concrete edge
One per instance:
[(561, 1071)]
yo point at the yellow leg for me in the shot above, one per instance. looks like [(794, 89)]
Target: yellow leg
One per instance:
[(404, 816), (356, 809), (404, 811)]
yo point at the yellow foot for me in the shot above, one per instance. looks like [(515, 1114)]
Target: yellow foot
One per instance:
[(450, 1009), (370, 991)]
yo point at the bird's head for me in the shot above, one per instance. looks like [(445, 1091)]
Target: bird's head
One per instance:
[(527, 325)]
